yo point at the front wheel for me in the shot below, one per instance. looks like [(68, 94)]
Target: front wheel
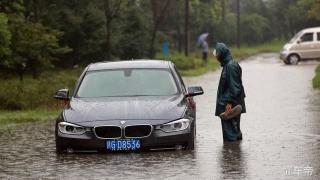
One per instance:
[(59, 148), (286, 62), (191, 143), (293, 59)]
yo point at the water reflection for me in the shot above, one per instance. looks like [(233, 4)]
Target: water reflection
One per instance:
[(233, 161)]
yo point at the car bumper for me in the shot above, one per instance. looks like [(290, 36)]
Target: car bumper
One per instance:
[(284, 55), (157, 140)]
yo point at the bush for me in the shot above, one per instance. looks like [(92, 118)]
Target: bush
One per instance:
[(316, 79), (36, 93), (183, 62)]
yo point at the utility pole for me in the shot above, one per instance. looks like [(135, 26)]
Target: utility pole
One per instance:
[(186, 50), (238, 23)]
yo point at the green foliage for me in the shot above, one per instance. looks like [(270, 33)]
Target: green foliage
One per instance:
[(183, 62), (137, 26), (36, 44), (82, 24), (5, 39), (133, 40), (316, 79), (314, 10), (33, 45), (36, 93), (254, 28)]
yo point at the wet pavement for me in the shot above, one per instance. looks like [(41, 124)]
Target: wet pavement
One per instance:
[(281, 137)]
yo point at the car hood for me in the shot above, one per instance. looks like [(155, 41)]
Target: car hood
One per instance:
[(287, 46), (133, 110)]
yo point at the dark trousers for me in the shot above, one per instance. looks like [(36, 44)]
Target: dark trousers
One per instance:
[(231, 129), (205, 56)]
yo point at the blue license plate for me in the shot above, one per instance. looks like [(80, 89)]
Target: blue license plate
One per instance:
[(123, 144)]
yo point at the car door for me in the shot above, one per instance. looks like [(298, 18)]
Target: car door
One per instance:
[(317, 50), (305, 45)]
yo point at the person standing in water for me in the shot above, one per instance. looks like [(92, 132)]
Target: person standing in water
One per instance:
[(230, 92)]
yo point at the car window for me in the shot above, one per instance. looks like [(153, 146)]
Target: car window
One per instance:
[(307, 37), (128, 82), (318, 35), (295, 37)]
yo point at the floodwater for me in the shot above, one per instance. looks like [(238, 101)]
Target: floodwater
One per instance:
[(281, 137)]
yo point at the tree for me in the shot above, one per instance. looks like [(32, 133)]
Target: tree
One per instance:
[(33, 45), (5, 40), (314, 11), (83, 27), (254, 28), (111, 9), (159, 10), (133, 39)]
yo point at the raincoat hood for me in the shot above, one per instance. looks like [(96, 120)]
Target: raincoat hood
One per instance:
[(224, 53)]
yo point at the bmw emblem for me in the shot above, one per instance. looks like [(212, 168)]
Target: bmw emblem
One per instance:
[(122, 122)]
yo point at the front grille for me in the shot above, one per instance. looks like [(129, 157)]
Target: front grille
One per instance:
[(137, 131), (108, 132)]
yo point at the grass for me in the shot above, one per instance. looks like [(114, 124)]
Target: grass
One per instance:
[(11, 118), (210, 66), (246, 51), (316, 79)]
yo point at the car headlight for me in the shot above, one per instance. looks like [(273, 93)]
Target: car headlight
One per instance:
[(68, 128), (177, 125)]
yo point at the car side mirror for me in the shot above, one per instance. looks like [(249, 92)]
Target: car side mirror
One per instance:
[(299, 41), (62, 94), (194, 91)]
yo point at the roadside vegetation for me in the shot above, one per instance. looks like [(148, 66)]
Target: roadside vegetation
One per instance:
[(10, 118), (194, 65), (316, 79)]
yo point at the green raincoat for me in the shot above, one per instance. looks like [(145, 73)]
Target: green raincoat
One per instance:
[(230, 88), (230, 91)]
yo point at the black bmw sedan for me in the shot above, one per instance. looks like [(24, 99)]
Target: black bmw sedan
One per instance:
[(127, 106)]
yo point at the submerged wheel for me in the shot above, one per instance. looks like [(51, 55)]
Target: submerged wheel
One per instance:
[(59, 148), (293, 59), (286, 62), (191, 143)]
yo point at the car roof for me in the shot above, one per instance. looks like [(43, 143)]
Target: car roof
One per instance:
[(141, 63), (313, 29)]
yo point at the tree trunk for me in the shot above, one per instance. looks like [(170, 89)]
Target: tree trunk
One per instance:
[(153, 38), (238, 23), (223, 10), (179, 40), (186, 50), (108, 26), (20, 73), (108, 44)]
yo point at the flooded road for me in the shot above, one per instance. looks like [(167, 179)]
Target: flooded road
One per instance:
[(281, 137)]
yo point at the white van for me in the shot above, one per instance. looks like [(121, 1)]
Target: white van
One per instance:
[(304, 45)]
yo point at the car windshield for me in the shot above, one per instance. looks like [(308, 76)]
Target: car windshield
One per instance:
[(295, 37), (127, 82)]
